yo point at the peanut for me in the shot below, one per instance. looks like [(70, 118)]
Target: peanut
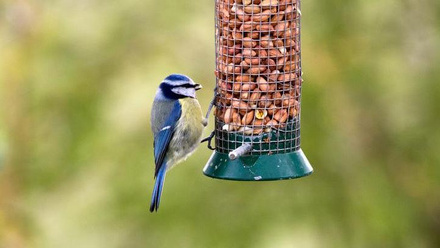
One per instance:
[(243, 78), (228, 115), (265, 101), (262, 17), (253, 61), (249, 53), (268, 3), (272, 123), (255, 96), (248, 42), (263, 85), (248, 118), (281, 116), (252, 9)]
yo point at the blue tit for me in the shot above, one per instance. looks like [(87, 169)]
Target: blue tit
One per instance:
[(177, 124)]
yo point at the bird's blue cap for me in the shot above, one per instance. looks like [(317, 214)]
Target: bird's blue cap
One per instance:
[(177, 77)]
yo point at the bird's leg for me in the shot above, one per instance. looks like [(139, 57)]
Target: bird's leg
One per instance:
[(205, 121), (211, 105), (209, 139)]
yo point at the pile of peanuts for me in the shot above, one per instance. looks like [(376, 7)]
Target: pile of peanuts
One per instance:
[(258, 64)]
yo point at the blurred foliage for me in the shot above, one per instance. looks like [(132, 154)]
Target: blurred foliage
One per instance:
[(77, 80)]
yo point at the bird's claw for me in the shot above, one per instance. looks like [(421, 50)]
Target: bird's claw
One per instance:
[(209, 139)]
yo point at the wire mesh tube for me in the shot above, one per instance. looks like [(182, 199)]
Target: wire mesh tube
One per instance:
[(258, 75), (258, 93)]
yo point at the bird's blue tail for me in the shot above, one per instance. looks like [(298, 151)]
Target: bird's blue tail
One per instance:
[(157, 191)]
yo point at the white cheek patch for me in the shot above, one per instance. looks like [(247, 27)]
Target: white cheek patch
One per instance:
[(190, 92)]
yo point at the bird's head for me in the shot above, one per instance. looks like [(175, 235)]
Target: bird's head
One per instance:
[(177, 86)]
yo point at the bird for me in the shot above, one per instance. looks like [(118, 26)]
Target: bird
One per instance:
[(177, 123)]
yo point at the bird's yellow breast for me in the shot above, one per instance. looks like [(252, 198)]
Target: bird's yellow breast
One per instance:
[(188, 131), (191, 110)]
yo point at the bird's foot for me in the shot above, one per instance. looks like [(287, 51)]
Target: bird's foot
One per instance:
[(209, 139)]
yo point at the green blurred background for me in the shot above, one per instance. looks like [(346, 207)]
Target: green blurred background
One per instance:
[(77, 80)]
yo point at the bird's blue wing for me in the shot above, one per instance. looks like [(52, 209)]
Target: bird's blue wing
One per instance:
[(164, 136)]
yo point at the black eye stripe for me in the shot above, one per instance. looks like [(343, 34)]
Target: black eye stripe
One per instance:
[(185, 85)]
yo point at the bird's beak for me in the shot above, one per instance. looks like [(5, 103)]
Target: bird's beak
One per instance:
[(198, 87)]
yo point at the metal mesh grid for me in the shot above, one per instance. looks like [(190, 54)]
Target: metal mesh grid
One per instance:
[(258, 75)]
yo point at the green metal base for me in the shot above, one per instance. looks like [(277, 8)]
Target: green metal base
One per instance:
[(258, 167)]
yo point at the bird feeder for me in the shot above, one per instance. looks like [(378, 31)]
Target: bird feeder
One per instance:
[(258, 91)]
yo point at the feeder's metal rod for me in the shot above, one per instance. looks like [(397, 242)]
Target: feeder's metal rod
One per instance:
[(240, 151)]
